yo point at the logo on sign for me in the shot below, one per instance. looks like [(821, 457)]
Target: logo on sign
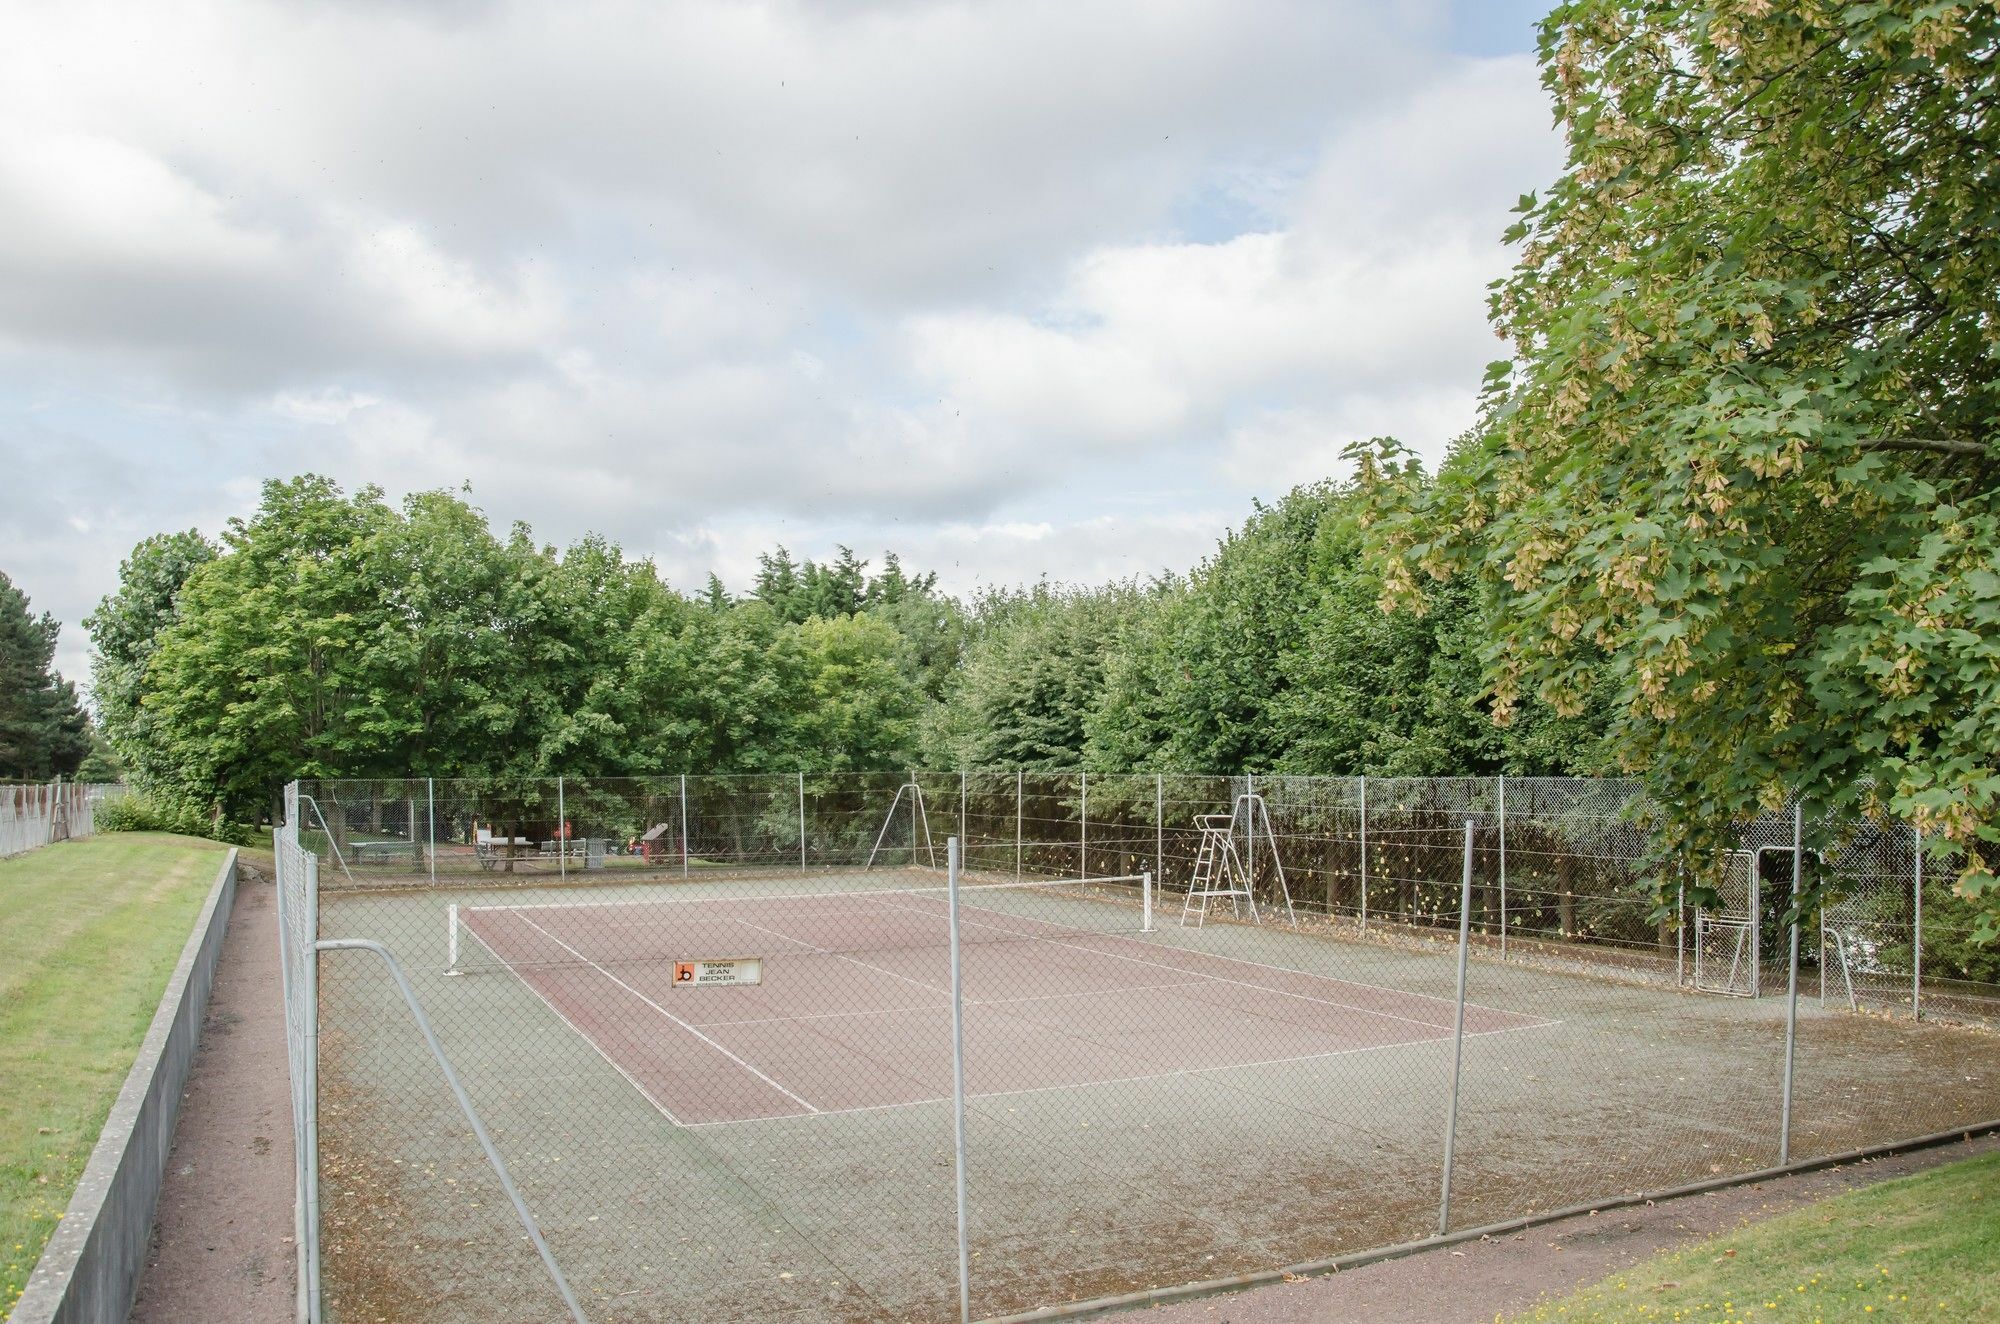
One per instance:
[(719, 973)]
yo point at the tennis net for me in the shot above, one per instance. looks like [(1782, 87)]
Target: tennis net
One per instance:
[(660, 930)]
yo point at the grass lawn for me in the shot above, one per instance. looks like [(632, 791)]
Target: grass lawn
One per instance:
[(92, 930), (1922, 1247)]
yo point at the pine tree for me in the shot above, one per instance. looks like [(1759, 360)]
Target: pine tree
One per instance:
[(43, 729)]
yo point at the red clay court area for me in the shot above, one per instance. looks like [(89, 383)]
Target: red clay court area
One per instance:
[(854, 1009)]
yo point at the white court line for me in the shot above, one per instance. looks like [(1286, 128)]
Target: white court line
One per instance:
[(577, 1030), (1303, 974), (876, 897), (1026, 885), (805, 1103), (972, 1002), (1217, 979), (817, 950), (1124, 1080), (1161, 947)]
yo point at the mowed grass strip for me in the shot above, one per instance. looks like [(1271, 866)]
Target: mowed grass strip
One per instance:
[(89, 932), (1923, 1247)]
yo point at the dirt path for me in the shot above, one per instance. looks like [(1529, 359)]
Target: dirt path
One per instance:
[(1476, 1282), (222, 1235)]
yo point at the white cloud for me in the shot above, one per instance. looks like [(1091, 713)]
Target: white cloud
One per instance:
[(331, 405), (1048, 287), (1368, 304), (965, 555)]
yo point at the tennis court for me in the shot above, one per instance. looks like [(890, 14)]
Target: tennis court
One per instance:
[(1148, 1103), (852, 1005)]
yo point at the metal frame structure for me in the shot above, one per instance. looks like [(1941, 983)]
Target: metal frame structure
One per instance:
[(1218, 872), (1735, 929), (1252, 809), (919, 816)]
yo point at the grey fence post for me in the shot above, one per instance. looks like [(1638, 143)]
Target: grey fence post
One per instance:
[(961, 810), (1364, 852), (802, 820), (1680, 932), (431, 814), (1756, 924), (1250, 830), (562, 831), (1792, 986), (1822, 959), (1917, 938), (958, 1086), (1083, 825), (1457, 1033), (309, 1071), (1502, 780), (684, 825), (1019, 802), (1159, 826)]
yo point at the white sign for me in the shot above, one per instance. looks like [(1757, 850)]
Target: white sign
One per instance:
[(732, 970)]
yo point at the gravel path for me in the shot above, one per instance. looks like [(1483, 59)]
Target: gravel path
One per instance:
[(222, 1247), (1480, 1281)]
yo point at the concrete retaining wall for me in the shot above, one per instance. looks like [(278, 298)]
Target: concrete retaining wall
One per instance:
[(89, 1271)]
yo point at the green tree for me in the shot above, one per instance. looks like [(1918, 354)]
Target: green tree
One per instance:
[(1247, 607), (101, 764), (273, 668), (931, 635), (1033, 673), (1741, 470), (1273, 655), (124, 631), (43, 730), (749, 682), (859, 706)]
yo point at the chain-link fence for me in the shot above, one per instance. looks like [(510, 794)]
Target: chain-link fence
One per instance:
[(749, 1046), (37, 814)]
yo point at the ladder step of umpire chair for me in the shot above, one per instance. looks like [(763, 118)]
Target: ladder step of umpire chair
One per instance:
[(1218, 871)]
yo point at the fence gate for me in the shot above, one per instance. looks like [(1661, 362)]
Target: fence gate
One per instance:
[(1726, 945)]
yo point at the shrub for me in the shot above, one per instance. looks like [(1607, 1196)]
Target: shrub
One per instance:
[(145, 813)]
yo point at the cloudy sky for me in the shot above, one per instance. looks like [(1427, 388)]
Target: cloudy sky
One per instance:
[(1015, 288)]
